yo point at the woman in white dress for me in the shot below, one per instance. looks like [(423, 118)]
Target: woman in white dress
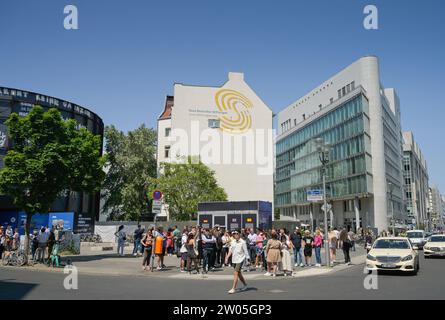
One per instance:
[(286, 261)]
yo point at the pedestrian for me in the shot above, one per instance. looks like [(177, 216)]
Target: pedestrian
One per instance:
[(16, 239), (9, 232), (352, 237), (51, 242), (159, 245), (2, 241), (121, 238), (192, 254), (43, 241), (318, 244), (225, 247), (219, 247), (209, 246), (346, 245), (273, 254), (137, 237), (259, 248), (34, 244), (177, 240), (286, 247), (170, 243), (368, 242), (264, 264), (239, 254), (333, 244), (199, 244), (183, 249), (307, 244), (147, 246), (296, 238), (251, 240)]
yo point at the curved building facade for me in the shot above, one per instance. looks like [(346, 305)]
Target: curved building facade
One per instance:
[(85, 207)]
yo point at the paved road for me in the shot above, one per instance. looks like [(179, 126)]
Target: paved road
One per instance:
[(345, 284)]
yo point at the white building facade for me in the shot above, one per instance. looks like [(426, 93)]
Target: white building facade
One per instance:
[(229, 128), (360, 119), (436, 208), (415, 176)]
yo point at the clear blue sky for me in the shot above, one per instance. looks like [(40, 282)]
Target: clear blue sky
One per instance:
[(126, 55)]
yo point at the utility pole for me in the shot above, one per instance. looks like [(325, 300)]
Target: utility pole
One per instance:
[(324, 150)]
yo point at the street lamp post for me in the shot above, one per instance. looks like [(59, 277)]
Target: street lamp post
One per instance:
[(393, 222), (323, 150)]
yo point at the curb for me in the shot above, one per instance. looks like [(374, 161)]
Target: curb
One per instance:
[(305, 273)]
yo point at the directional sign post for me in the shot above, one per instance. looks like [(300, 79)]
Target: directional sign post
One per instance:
[(157, 202), (315, 195)]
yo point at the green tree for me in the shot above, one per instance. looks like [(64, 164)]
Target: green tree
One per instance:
[(185, 185), (131, 172), (48, 156)]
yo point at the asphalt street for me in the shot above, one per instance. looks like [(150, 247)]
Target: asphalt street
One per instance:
[(345, 284)]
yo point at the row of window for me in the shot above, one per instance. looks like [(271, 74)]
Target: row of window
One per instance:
[(339, 133), (346, 89), (335, 171), (343, 113)]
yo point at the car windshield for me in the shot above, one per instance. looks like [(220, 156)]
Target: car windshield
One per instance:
[(438, 239), (391, 244), (415, 235)]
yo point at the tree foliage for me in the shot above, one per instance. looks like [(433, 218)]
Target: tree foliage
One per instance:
[(185, 185), (131, 165), (48, 156)]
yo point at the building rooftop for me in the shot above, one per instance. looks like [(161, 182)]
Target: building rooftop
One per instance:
[(167, 113)]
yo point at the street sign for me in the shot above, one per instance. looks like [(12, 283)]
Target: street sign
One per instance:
[(157, 203), (156, 210), (315, 195), (329, 207), (157, 195)]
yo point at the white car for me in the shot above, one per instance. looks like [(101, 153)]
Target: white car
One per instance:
[(393, 254), (417, 237), (435, 246)]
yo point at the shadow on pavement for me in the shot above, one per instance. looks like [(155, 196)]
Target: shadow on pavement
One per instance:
[(15, 290)]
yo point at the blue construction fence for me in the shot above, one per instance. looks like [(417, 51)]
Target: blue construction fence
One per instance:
[(18, 220)]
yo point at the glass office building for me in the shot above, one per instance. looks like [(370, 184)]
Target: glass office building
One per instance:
[(361, 121), (298, 168), (84, 206)]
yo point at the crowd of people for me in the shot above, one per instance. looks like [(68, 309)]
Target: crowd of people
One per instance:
[(42, 242), (202, 250), (9, 239)]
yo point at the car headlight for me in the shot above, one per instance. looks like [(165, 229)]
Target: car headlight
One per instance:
[(408, 258), (372, 258), (426, 248)]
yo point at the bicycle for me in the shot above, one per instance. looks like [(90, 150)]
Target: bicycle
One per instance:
[(14, 258)]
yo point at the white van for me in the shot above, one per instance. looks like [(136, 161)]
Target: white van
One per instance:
[(417, 237)]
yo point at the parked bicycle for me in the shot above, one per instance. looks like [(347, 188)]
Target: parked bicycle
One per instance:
[(14, 258), (95, 238)]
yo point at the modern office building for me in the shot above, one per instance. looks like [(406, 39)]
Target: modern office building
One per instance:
[(415, 176), (229, 128), (84, 206), (360, 119), (436, 208)]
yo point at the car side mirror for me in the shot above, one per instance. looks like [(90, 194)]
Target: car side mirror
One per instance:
[(415, 248)]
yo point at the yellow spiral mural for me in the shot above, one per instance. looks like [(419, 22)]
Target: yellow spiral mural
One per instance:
[(237, 105)]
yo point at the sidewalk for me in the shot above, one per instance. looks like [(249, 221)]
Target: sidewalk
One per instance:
[(110, 264)]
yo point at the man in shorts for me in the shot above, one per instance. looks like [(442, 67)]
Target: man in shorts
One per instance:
[(239, 253)]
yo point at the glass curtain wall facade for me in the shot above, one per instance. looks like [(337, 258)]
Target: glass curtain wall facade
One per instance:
[(346, 128)]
